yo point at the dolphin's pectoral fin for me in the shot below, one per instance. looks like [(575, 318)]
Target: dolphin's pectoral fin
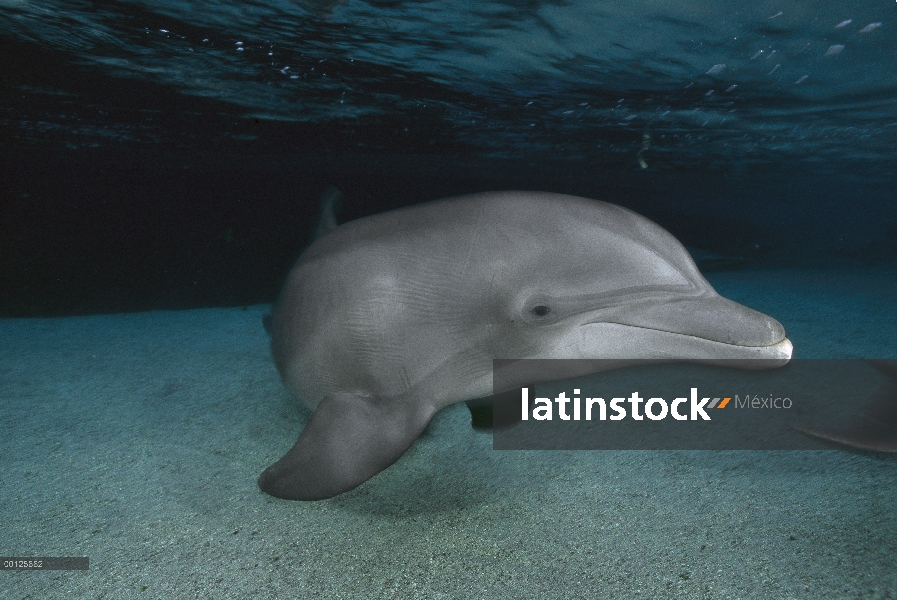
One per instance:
[(876, 428), (348, 440), (871, 439)]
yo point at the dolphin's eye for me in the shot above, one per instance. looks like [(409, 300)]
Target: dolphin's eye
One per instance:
[(541, 310)]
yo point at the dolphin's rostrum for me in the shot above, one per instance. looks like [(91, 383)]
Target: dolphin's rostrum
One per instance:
[(385, 320)]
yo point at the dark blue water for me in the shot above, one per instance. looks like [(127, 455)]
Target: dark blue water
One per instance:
[(170, 154)]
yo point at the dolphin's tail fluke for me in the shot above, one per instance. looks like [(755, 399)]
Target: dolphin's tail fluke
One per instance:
[(874, 429)]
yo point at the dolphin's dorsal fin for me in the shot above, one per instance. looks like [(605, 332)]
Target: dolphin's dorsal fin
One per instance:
[(330, 203)]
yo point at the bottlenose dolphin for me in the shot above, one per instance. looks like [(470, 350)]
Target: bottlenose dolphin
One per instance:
[(385, 320)]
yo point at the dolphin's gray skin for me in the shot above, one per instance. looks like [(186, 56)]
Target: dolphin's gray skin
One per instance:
[(388, 319)]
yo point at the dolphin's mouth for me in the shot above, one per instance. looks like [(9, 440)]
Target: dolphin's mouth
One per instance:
[(704, 327), (780, 343), (782, 349), (603, 340), (625, 341), (711, 318)]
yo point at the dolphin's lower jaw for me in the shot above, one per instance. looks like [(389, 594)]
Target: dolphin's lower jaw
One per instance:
[(612, 340)]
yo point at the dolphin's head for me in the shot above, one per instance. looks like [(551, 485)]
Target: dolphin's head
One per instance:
[(598, 281)]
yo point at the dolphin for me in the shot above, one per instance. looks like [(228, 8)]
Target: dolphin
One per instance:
[(385, 320)]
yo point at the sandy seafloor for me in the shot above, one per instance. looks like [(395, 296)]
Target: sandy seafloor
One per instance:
[(136, 440)]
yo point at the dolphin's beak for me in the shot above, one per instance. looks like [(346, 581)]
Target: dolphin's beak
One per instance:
[(708, 327), (709, 317)]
